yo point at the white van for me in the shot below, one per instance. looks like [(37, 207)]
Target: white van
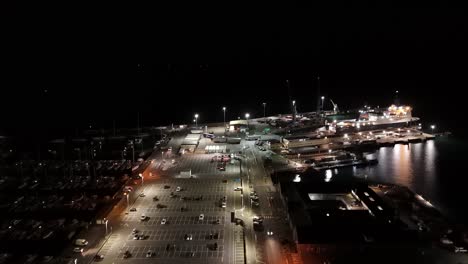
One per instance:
[(81, 242)]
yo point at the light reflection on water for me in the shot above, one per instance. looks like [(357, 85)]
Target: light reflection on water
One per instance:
[(413, 165), (409, 165)]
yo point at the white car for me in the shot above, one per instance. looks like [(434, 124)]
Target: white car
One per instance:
[(163, 221), (178, 189), (223, 204), (78, 250), (201, 217), (238, 189), (81, 242), (143, 217), (134, 231), (149, 254)]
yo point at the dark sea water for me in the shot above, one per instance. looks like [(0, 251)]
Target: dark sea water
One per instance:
[(436, 169)]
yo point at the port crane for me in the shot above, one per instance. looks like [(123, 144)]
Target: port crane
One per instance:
[(335, 107)]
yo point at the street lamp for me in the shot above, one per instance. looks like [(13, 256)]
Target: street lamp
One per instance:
[(264, 112), (432, 127), (247, 115), (224, 116), (323, 98), (127, 195), (242, 200), (142, 179), (105, 222), (196, 120), (162, 155)]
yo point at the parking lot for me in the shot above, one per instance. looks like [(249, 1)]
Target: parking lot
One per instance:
[(173, 220), (179, 234), (202, 163), (180, 199), (200, 251)]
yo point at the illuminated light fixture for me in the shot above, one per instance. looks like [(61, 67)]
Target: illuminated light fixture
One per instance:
[(297, 178)]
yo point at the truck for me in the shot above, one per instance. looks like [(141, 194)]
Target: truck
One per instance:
[(232, 140), (219, 140)]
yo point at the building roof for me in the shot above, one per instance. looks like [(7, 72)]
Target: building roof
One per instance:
[(331, 212), (238, 122)]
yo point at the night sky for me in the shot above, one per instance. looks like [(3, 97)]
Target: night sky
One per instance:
[(65, 73)]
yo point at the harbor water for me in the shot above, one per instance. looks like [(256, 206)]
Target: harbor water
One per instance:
[(435, 169)]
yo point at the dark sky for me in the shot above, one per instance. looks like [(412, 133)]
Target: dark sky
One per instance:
[(199, 63)]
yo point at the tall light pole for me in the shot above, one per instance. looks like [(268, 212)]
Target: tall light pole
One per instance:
[(105, 222), (323, 98), (224, 117), (432, 127), (264, 112), (127, 195), (133, 151), (142, 179), (247, 115), (196, 120)]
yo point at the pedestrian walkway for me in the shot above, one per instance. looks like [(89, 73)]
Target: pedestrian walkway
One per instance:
[(108, 245), (239, 246)]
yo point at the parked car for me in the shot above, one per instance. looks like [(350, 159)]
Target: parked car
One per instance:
[(78, 250), (143, 217), (81, 242), (163, 221), (133, 209), (149, 254), (201, 217)]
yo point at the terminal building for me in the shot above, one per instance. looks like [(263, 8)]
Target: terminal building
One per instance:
[(333, 221)]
